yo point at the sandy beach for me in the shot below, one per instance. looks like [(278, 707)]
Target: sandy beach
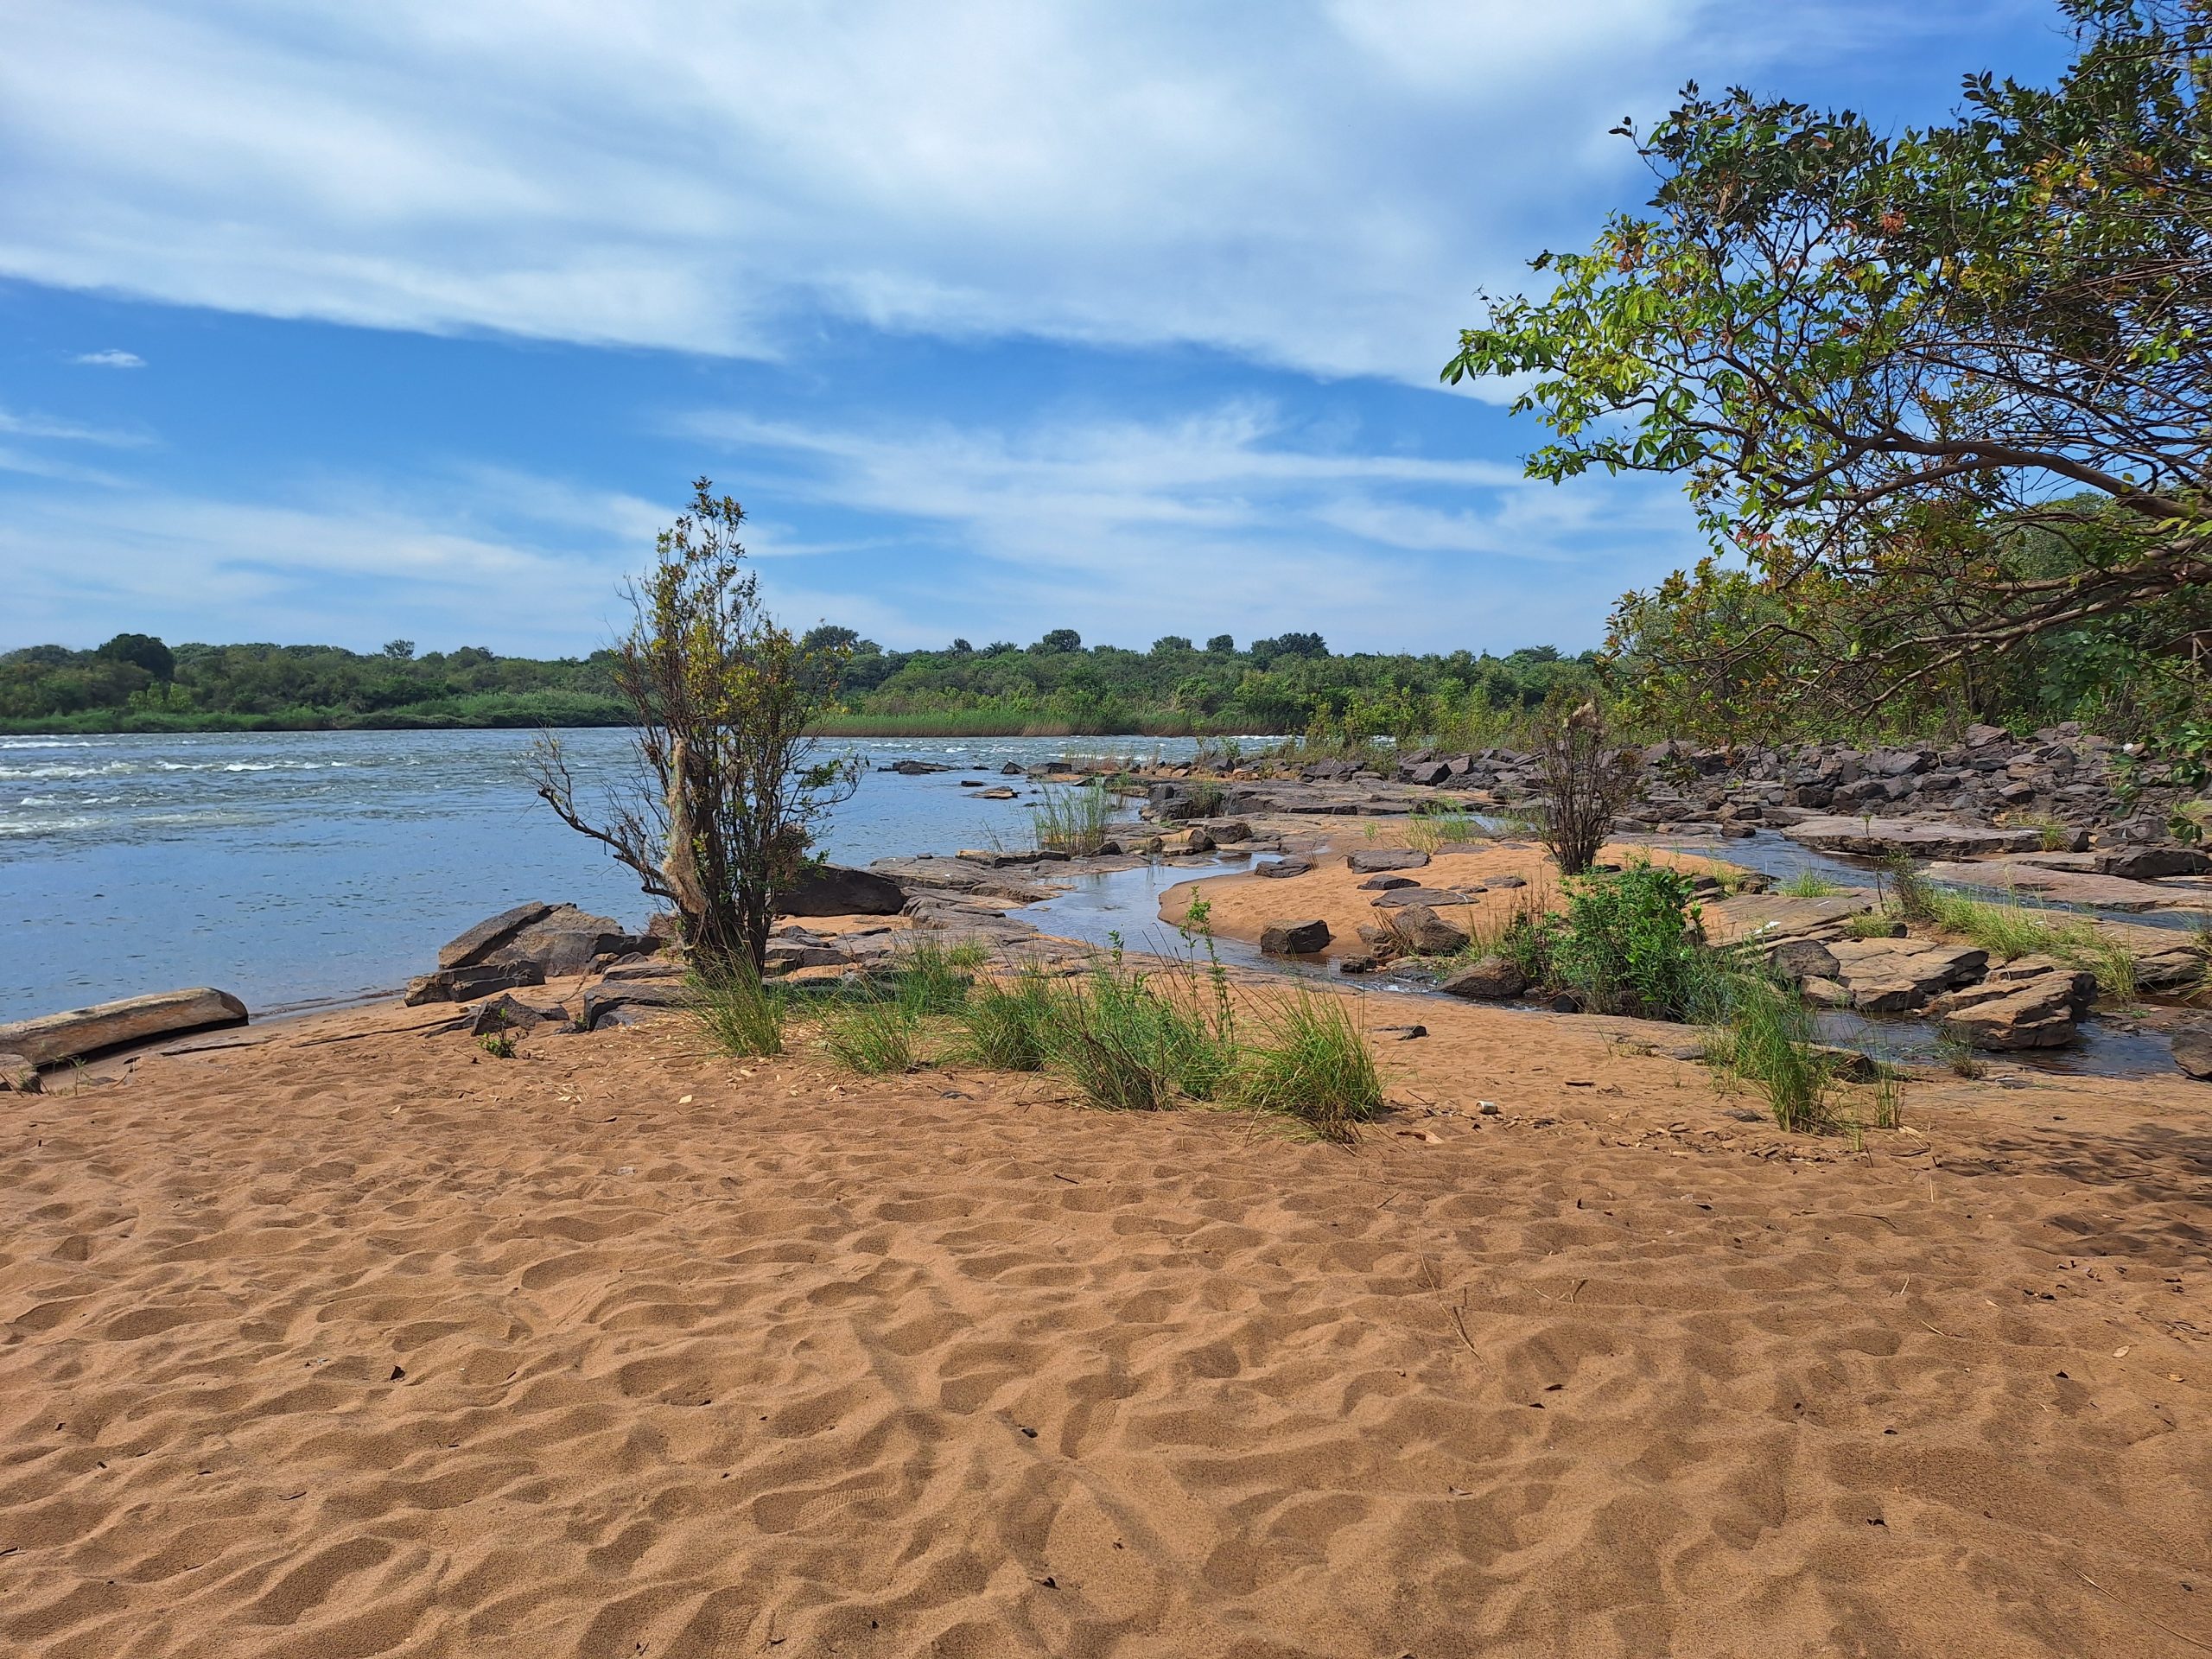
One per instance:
[(376, 1346)]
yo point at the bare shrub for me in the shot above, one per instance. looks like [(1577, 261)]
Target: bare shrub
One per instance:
[(1586, 782)]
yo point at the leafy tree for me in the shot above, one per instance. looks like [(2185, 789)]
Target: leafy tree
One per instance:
[(1060, 640), (1221, 645), (1169, 645), (829, 637), (1896, 372), (144, 650), (722, 696), (400, 651)]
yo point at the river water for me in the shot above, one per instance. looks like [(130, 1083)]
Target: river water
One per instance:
[(301, 869)]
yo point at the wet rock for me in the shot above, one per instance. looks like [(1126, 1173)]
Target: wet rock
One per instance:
[(913, 768), (1370, 861), (1294, 938), (52, 1038), (17, 1075), (834, 890), (994, 794), (1361, 963), (1283, 868), (1423, 932), (1492, 979)]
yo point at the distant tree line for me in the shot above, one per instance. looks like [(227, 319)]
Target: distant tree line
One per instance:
[(1289, 684)]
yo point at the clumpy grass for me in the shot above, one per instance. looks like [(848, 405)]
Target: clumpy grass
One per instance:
[(1070, 821), (1870, 924), (1763, 1033), (499, 1044), (1447, 823), (1809, 884), (1131, 1041), (1311, 1062), (871, 1033), (741, 1015), (1010, 1026), (2053, 835), (935, 978), (1960, 1059)]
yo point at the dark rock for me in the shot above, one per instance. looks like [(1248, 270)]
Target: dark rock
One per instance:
[(834, 890), (1370, 861), (510, 1014), (2193, 1051), (2036, 1014), (1803, 959), (1387, 883), (1402, 1034), (914, 768), (621, 1005), (488, 935), (1294, 938), (1283, 868), (1362, 964), (1397, 897), (1199, 841), (1505, 880), (466, 984), (1425, 933), (1492, 979), (2150, 863), (1232, 829)]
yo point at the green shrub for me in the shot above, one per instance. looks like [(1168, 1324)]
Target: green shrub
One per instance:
[(1312, 1061), (741, 1015), (1809, 884), (1011, 1027), (1628, 944)]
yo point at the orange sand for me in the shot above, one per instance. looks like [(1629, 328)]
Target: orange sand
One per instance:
[(383, 1346)]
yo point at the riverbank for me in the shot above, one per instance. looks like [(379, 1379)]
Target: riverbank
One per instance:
[(616, 1347)]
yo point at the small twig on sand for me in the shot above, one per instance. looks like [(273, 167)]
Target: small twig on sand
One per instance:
[(2139, 1613)]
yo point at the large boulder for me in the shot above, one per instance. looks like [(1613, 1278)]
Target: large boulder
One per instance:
[(2150, 863), (491, 934), (1492, 979), (1901, 976), (834, 890), (523, 946), (1282, 869), (1423, 932), (2039, 1012), (52, 1038), (622, 1003), (2193, 1051), (1294, 938)]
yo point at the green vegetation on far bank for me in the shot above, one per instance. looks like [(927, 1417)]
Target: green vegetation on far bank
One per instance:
[(1055, 688)]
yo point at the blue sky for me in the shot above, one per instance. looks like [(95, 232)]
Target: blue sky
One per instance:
[(340, 324)]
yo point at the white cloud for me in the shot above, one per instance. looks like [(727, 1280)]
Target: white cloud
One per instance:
[(1315, 183), (1130, 530), (110, 360), (56, 429)]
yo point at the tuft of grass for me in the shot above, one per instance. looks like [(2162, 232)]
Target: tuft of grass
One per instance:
[(1809, 884), (1312, 1061), (871, 1033), (1763, 1034), (935, 978), (1869, 924), (1010, 1026), (1960, 1059), (1889, 1098), (741, 1015), (1070, 821), (2054, 835), (1446, 823), (1132, 1041), (499, 1044)]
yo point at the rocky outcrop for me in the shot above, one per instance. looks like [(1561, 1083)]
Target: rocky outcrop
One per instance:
[(2039, 1010), (52, 1038), (1901, 976), (521, 947), (1294, 938), (1917, 838)]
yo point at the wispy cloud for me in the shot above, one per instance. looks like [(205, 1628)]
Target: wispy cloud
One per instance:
[(50, 427), (1320, 184), (110, 360)]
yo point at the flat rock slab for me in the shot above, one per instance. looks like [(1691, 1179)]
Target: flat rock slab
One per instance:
[(1879, 837), (52, 1038), (2067, 886), (1282, 869), (1771, 917), (1397, 898), (1375, 861)]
